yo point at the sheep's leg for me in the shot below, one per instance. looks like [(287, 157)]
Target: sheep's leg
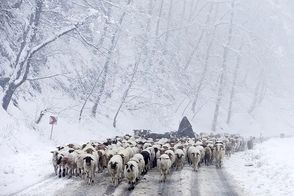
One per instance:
[(92, 177), (63, 172), (59, 172), (116, 181), (164, 177), (55, 169), (132, 186)]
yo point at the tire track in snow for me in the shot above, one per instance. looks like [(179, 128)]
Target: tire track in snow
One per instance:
[(208, 181), (213, 182), (225, 182)]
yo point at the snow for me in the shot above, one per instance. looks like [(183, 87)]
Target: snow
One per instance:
[(25, 147), (272, 170)]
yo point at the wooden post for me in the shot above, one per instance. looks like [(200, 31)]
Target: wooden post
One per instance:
[(51, 131)]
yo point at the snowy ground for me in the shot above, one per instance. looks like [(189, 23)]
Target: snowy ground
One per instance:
[(181, 183), (266, 170)]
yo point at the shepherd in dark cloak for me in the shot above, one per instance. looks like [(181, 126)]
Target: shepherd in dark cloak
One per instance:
[(185, 129)]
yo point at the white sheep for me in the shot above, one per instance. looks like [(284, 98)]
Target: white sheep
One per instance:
[(115, 168), (164, 165), (202, 153), (79, 160), (55, 160), (219, 154), (152, 156), (146, 145), (131, 172), (141, 163), (179, 158), (194, 155), (125, 154), (171, 155), (90, 165)]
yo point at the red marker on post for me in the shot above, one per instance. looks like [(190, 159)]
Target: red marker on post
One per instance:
[(52, 122)]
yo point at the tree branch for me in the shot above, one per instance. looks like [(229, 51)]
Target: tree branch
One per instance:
[(46, 77)]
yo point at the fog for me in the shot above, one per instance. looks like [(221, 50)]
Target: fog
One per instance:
[(226, 65)]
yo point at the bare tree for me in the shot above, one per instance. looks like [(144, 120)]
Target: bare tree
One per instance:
[(233, 89), (114, 39), (22, 64), (257, 92), (126, 92), (223, 69)]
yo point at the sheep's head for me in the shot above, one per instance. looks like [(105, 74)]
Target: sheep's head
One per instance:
[(129, 167), (170, 155), (60, 148), (55, 155), (219, 147), (179, 156), (113, 165), (88, 160), (59, 158)]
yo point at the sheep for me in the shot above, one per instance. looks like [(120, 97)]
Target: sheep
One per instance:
[(179, 159), (110, 153), (157, 154), (125, 154), (102, 163), (79, 161), (171, 155), (90, 165), (92, 151), (55, 160), (152, 156), (202, 153), (164, 165), (219, 154), (207, 156), (115, 168), (194, 155), (141, 163), (131, 172), (71, 164), (146, 155), (74, 146), (65, 161)]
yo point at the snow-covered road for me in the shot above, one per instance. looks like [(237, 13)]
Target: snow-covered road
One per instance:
[(209, 181)]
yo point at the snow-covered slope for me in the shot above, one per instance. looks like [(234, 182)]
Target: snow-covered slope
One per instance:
[(266, 170)]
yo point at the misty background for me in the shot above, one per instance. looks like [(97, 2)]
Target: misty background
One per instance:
[(122, 64)]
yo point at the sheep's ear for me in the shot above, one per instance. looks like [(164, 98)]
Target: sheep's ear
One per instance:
[(84, 158), (70, 151)]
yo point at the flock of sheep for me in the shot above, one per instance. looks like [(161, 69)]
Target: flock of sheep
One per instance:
[(131, 157)]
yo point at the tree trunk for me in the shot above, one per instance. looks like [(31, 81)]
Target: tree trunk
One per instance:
[(256, 93), (159, 18), (223, 70), (204, 72), (114, 39), (95, 106), (232, 95), (42, 113), (125, 95), (8, 96), (195, 48), (168, 21)]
